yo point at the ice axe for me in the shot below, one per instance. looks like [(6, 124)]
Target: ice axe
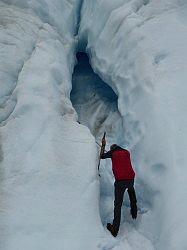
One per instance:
[(102, 149)]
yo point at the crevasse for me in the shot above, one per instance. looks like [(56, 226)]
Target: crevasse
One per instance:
[(49, 188)]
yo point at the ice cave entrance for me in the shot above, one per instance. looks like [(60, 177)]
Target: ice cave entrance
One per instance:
[(94, 100)]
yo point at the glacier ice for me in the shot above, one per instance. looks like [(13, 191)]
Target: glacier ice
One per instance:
[(42, 189), (134, 49), (49, 187)]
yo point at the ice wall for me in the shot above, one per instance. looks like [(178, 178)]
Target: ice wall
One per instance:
[(44, 196), (138, 47)]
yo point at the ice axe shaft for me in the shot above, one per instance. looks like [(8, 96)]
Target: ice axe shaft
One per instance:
[(102, 150)]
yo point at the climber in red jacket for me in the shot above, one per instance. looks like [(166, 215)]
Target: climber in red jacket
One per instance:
[(124, 179)]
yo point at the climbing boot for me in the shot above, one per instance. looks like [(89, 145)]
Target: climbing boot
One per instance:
[(134, 211), (111, 228)]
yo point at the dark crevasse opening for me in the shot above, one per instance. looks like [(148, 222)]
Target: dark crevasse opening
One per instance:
[(94, 101)]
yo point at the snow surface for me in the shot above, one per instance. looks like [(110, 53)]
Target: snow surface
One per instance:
[(50, 194)]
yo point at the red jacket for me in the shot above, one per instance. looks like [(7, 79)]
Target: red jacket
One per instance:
[(121, 163)]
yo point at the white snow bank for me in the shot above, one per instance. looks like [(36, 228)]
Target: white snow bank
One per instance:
[(48, 170)]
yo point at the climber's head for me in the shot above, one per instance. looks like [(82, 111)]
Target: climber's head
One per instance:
[(113, 146)]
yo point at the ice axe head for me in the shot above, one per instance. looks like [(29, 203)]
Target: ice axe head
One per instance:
[(104, 135)]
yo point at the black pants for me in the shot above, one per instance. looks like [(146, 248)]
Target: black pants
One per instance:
[(120, 187)]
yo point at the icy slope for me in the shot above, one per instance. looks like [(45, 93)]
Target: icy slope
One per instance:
[(139, 48)]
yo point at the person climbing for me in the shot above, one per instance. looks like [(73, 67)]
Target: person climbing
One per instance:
[(124, 179)]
